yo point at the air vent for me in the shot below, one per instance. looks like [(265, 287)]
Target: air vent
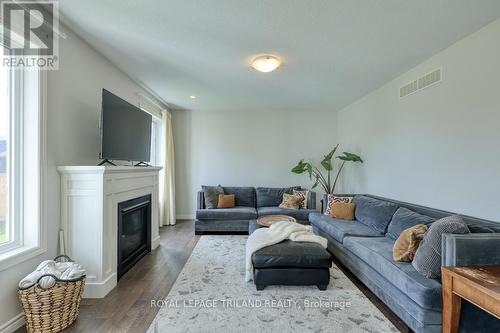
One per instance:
[(429, 79), (421, 83), (410, 88)]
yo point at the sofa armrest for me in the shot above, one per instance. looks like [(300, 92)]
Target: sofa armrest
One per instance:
[(324, 202), (471, 249), (200, 200), (311, 200)]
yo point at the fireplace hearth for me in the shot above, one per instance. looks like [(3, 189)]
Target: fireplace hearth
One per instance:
[(134, 232)]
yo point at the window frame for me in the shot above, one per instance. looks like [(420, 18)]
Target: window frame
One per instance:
[(26, 168), (156, 159)]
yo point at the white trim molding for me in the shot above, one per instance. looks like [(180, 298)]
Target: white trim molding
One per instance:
[(32, 214), (13, 324), (89, 217), (185, 216)]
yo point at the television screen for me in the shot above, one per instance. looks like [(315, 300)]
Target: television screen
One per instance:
[(125, 130)]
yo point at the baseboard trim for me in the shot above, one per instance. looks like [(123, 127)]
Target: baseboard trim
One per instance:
[(100, 289), (13, 324), (185, 217), (155, 243)]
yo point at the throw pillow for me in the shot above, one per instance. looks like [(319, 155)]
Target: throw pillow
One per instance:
[(333, 199), (407, 243), (304, 194), (343, 210), (226, 201), (427, 260), (212, 195), (291, 201)]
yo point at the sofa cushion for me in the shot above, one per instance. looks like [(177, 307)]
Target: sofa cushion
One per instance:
[(407, 243), (236, 213), (331, 199), (226, 201), (343, 211), (292, 254), (404, 219), (304, 194), (272, 196), (243, 196), (211, 194), (427, 260), (291, 201), (338, 229), (374, 213), (377, 253), (299, 214), (482, 229), (237, 226)]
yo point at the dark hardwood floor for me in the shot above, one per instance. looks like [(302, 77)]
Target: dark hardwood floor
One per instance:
[(127, 308)]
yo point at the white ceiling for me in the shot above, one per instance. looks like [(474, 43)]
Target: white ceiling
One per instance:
[(334, 51)]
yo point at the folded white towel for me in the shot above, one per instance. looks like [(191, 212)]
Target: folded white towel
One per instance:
[(61, 270), (73, 272)]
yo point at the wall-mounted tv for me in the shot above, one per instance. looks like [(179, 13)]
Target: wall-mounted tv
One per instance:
[(125, 130)]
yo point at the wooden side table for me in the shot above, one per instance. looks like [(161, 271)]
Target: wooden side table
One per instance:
[(478, 285)]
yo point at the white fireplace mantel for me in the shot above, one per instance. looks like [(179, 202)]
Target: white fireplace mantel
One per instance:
[(89, 216)]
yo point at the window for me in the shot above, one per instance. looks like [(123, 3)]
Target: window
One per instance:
[(155, 158), (156, 112), (21, 169), (4, 143)]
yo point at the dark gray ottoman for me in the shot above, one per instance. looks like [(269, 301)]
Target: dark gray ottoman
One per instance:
[(290, 263)]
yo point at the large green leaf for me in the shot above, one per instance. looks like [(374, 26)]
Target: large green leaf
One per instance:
[(299, 168), (350, 157), (327, 159), (309, 169)]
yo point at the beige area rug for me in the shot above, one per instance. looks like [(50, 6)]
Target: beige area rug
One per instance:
[(211, 295)]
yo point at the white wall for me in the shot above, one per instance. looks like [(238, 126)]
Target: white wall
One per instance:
[(74, 98), (438, 147), (245, 149)]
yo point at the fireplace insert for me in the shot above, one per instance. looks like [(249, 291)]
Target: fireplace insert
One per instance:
[(134, 232)]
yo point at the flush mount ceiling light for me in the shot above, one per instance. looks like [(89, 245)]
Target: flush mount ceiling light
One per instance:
[(192, 97), (266, 63)]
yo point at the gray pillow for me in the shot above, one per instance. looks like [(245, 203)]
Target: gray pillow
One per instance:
[(211, 194), (427, 260)]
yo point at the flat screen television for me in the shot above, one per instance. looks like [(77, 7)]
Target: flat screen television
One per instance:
[(125, 130)]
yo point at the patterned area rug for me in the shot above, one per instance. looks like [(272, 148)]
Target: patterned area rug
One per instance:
[(211, 295)]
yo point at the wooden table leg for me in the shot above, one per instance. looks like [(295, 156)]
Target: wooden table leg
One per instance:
[(451, 305)]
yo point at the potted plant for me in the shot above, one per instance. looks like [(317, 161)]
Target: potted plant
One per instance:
[(326, 163)]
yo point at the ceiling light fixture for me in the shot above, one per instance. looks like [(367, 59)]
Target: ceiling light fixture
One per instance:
[(266, 63), (192, 97)]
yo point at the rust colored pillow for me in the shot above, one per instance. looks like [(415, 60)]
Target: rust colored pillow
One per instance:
[(343, 210), (226, 201), (291, 201), (407, 243)]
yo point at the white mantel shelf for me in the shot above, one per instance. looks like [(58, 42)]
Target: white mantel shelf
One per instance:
[(89, 216), (100, 169)]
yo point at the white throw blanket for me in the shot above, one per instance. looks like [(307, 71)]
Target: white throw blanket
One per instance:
[(276, 233), (61, 270)]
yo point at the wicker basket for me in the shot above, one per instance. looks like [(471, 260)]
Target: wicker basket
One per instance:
[(52, 309)]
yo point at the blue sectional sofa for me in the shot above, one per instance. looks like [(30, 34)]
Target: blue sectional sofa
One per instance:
[(250, 203), (364, 246)]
